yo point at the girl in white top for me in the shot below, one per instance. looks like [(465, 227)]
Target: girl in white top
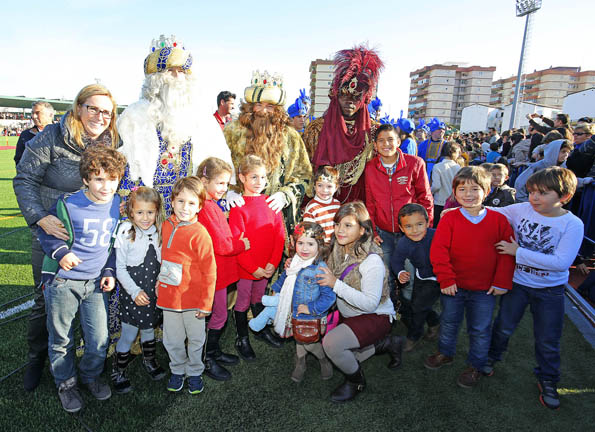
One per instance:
[(442, 176), (359, 279), (138, 257)]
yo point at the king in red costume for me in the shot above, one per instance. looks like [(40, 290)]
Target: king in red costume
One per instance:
[(344, 136)]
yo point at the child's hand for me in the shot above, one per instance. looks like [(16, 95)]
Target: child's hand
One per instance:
[(142, 299), (259, 273), (123, 208), (201, 315), (287, 263), (107, 283), (404, 277), (326, 278), (303, 309), (246, 242), (507, 248), (69, 261), (377, 240), (451, 290), (496, 291), (269, 270), (582, 267)]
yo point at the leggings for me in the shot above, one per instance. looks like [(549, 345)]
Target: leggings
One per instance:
[(250, 292), (342, 348), (219, 314), (128, 337)]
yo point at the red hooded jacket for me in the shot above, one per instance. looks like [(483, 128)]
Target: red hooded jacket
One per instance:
[(387, 193)]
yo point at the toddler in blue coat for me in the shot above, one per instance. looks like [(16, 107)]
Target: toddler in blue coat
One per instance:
[(298, 295)]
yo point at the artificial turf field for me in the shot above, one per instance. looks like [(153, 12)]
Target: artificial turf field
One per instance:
[(262, 397)]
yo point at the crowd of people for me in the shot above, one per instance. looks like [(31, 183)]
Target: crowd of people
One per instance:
[(347, 225)]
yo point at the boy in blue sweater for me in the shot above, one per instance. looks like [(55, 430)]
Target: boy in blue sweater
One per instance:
[(415, 246), (78, 273)]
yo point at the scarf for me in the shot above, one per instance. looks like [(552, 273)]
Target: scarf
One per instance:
[(286, 295), (339, 260), (335, 144)]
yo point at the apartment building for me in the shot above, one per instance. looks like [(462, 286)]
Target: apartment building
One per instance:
[(321, 78), (443, 90), (544, 87)]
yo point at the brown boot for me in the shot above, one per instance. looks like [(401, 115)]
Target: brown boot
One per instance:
[(436, 361), (326, 369), (300, 369), (469, 378), (432, 333), (410, 345)]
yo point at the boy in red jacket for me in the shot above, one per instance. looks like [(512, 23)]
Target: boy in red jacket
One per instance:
[(392, 180), (470, 271)]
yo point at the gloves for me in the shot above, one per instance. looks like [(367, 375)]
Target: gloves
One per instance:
[(234, 199), (277, 201)]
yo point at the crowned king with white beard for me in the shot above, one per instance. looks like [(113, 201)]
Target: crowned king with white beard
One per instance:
[(162, 133)]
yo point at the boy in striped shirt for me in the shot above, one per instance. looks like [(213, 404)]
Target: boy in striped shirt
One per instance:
[(322, 208)]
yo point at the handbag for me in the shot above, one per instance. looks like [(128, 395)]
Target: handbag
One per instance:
[(306, 331), (332, 320)]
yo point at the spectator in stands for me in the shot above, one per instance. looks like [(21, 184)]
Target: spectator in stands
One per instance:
[(42, 114), (493, 155), (49, 168), (520, 149), (561, 123), (493, 135), (225, 104), (442, 175)]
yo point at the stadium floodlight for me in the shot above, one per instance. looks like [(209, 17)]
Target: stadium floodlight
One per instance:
[(524, 7)]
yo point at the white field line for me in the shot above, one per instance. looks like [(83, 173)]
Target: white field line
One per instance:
[(15, 310)]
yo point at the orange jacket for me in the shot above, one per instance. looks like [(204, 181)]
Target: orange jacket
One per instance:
[(188, 270)]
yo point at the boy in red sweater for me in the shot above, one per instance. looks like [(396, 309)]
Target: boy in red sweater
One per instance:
[(266, 230), (470, 271)]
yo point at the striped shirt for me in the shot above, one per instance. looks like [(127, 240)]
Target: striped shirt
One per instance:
[(322, 214)]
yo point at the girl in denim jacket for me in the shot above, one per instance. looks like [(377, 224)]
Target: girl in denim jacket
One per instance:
[(298, 295)]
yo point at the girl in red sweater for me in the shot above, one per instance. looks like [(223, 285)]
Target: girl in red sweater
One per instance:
[(215, 174), (266, 231), (470, 271)]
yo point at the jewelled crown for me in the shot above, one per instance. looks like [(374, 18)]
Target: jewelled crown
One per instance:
[(167, 52), (265, 88)]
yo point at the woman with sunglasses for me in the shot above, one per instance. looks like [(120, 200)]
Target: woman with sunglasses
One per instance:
[(49, 168)]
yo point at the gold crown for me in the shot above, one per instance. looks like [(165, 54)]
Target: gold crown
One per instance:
[(265, 88), (167, 53)]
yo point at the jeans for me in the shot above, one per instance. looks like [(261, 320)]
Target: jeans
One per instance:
[(477, 306), (63, 299), (547, 307), (388, 245)]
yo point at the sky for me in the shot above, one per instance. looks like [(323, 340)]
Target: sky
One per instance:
[(52, 49)]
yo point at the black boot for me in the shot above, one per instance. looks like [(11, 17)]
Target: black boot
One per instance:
[(120, 379), (220, 356), (393, 345), (243, 342), (212, 368), (265, 335), (155, 371), (353, 384), (37, 339), (33, 373)]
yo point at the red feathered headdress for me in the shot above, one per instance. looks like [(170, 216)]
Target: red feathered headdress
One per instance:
[(356, 72)]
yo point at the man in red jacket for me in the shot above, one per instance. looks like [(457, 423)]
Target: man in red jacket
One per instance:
[(392, 180)]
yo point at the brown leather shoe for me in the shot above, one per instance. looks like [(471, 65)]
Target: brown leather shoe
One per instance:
[(432, 333), (436, 361), (469, 377)]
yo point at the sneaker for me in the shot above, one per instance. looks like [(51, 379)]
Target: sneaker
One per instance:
[(436, 361), (195, 384), (432, 333), (488, 369), (410, 345), (175, 383), (469, 378), (100, 390), (548, 394), (70, 397)]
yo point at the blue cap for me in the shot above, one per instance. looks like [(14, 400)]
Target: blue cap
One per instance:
[(406, 125), (436, 124), (374, 107), (301, 106)]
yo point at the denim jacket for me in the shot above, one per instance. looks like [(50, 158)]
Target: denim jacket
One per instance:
[(307, 291)]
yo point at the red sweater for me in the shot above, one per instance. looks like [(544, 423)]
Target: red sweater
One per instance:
[(464, 253), (265, 230), (226, 246), (386, 194), (188, 270)]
